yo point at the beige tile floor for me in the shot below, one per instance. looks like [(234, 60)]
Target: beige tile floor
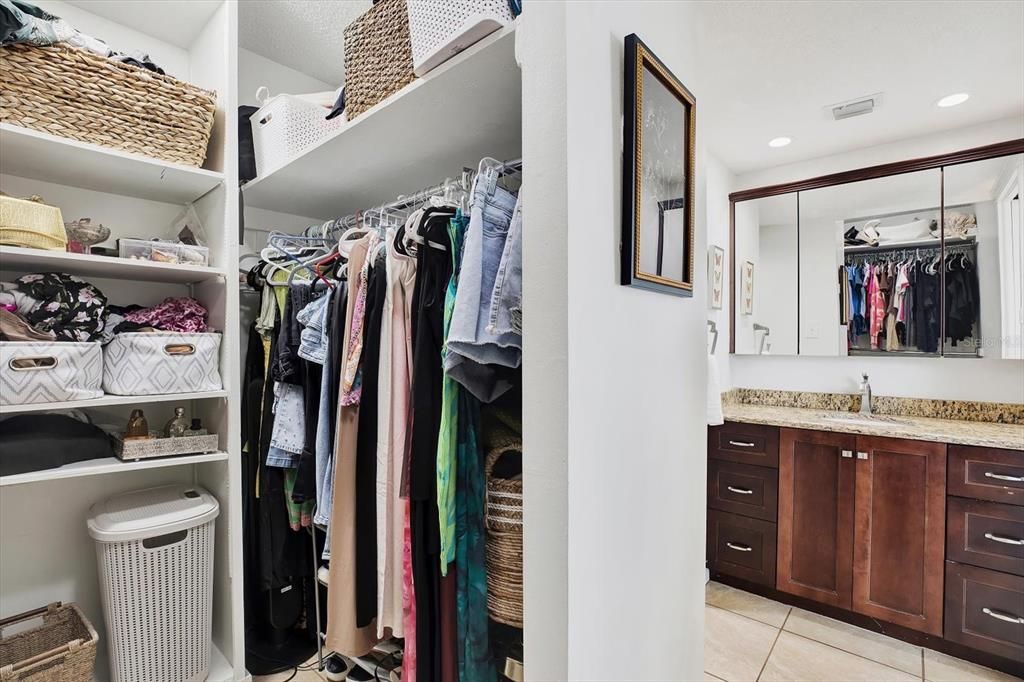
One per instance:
[(748, 638)]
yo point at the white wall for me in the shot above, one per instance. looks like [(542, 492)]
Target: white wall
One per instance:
[(636, 382), (541, 45), (174, 60), (988, 379), (719, 183), (255, 70)]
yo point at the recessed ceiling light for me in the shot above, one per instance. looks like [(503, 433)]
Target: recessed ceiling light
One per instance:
[(779, 142), (953, 100)]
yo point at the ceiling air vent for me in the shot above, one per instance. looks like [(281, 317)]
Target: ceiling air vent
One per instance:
[(855, 107)]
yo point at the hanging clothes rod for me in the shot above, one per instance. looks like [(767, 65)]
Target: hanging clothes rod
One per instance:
[(406, 201)]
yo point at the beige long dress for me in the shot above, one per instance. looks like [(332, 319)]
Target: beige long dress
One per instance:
[(343, 635)]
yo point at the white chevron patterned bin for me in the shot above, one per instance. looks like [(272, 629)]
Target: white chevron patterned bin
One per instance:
[(152, 363), (45, 372)]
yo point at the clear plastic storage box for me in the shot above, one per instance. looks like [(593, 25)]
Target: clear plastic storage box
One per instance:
[(163, 252)]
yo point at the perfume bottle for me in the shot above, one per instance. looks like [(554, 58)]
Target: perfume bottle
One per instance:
[(138, 427), (196, 429), (176, 427)]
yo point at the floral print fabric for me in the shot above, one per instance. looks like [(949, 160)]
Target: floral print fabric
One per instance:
[(183, 315), (72, 309)]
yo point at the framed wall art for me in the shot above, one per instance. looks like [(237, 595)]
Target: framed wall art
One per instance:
[(716, 276), (747, 288), (660, 117)]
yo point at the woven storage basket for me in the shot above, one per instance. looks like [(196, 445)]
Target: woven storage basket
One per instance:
[(77, 94), (31, 223), (378, 56), (62, 649), (504, 540)]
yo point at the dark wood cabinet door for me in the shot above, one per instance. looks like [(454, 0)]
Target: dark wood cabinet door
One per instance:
[(899, 531), (816, 497)]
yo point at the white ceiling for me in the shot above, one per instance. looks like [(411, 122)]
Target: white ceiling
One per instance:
[(306, 35), (769, 69), (177, 22)]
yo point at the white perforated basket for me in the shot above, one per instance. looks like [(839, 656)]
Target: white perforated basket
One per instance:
[(285, 127), (440, 29), (155, 553)]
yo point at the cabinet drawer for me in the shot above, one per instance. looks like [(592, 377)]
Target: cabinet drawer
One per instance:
[(742, 547), (985, 610), (986, 474), (986, 534), (755, 444), (743, 489)]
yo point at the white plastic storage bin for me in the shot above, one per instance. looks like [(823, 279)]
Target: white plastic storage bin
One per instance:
[(155, 553), (286, 126), (44, 372), (163, 252), (440, 30), (153, 363)]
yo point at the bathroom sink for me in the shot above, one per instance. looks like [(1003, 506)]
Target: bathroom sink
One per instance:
[(855, 418)]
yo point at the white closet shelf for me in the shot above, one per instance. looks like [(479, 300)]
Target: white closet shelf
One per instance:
[(88, 265), (32, 154), (111, 400), (107, 465), (465, 109)]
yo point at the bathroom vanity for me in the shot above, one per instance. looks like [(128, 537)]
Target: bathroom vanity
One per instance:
[(910, 526)]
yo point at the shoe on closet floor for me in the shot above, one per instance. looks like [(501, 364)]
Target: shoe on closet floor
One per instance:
[(337, 668), (323, 574)]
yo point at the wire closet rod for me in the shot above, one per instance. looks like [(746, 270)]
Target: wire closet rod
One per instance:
[(405, 201)]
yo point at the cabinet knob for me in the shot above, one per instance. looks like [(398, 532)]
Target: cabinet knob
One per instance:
[(862, 455), (848, 454)]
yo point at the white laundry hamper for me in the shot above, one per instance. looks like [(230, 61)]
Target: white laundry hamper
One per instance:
[(155, 553)]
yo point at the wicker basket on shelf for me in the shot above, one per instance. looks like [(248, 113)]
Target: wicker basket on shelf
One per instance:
[(504, 513), (62, 649), (378, 56), (83, 96)]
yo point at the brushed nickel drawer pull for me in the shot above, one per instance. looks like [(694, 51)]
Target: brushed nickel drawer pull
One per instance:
[(741, 444), (744, 491), (739, 548), (1003, 616), (1003, 539), (1004, 477)]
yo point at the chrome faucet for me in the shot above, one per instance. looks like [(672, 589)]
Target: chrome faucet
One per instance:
[(865, 395)]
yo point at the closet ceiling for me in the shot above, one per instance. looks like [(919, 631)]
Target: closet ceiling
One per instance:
[(773, 68), (306, 35)]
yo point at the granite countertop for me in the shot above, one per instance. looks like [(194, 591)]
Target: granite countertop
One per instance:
[(988, 434)]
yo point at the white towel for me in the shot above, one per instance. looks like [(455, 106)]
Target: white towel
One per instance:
[(714, 394)]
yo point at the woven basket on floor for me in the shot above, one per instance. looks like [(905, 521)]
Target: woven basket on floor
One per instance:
[(80, 95), (378, 56), (62, 649), (504, 514)]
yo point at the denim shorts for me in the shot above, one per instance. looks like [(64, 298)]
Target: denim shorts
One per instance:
[(482, 350), (507, 297)]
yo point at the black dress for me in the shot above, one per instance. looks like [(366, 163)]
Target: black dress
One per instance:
[(366, 448)]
